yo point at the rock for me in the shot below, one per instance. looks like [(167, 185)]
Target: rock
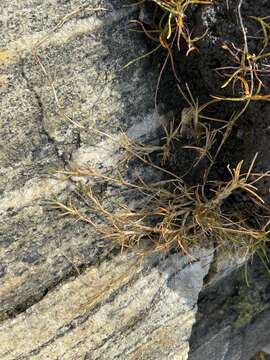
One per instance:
[(233, 316), (119, 309), (84, 57), (66, 294), (63, 293)]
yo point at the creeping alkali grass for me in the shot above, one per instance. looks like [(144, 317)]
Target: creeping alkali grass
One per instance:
[(168, 213), (171, 28)]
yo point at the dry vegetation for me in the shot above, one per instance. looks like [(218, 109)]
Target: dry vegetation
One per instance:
[(170, 214)]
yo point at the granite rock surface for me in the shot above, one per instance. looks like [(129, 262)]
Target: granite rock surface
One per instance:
[(63, 294)]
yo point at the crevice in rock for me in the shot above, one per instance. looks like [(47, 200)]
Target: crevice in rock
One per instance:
[(41, 111), (73, 272), (37, 97), (126, 330), (233, 304)]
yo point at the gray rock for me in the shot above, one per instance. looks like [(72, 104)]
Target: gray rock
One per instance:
[(232, 321), (119, 309), (65, 294), (84, 58)]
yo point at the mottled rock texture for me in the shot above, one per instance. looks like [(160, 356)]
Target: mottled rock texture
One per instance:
[(116, 310), (63, 294)]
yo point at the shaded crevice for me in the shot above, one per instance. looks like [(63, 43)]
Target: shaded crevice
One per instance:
[(40, 106), (41, 114), (234, 304)]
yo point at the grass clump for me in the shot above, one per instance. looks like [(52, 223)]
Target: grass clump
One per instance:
[(168, 214), (171, 213), (170, 28)]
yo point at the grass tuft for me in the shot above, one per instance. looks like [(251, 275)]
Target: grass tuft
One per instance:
[(170, 213)]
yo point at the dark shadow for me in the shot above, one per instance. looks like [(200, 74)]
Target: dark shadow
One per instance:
[(233, 316)]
